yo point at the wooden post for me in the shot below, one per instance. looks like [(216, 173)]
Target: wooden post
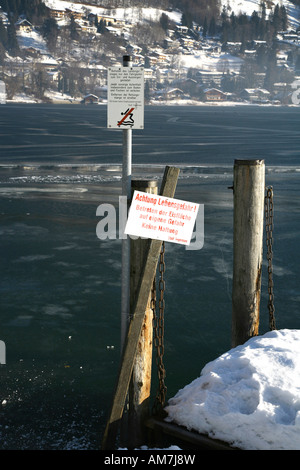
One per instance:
[(139, 391), (134, 331), (249, 190)]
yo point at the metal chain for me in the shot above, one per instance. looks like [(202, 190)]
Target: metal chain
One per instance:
[(158, 325), (269, 213)]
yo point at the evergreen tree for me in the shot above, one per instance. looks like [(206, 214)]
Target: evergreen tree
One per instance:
[(12, 42), (4, 5), (263, 10), (262, 29), (276, 18), (72, 86), (39, 82), (2, 54), (34, 10), (224, 14), (147, 93), (225, 29), (254, 21), (212, 27), (164, 21), (205, 27), (101, 26), (73, 29), (187, 19), (261, 57), (147, 62), (50, 32), (234, 34), (284, 18), (3, 34), (271, 72)]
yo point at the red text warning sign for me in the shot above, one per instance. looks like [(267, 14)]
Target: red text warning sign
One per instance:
[(161, 218)]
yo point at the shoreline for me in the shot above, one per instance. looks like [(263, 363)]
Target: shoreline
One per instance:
[(70, 101)]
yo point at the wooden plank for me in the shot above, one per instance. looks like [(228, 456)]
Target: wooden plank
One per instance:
[(191, 438), (140, 385), (129, 352)]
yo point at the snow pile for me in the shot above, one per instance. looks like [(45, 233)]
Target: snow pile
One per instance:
[(249, 396)]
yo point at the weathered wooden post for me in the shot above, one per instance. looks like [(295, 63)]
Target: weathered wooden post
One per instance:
[(167, 189), (140, 387), (249, 190)]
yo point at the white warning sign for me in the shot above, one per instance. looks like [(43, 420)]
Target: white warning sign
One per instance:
[(161, 218), (125, 99)]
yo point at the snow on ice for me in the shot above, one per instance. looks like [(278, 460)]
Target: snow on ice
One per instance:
[(249, 396)]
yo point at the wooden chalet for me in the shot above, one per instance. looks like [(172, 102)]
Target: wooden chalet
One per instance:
[(213, 94), (90, 99)]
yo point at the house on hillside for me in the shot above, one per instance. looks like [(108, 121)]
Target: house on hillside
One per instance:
[(57, 14), (187, 42), (24, 25), (189, 86), (291, 36), (48, 61), (208, 78), (32, 51), (4, 17), (77, 15), (255, 95), (233, 47), (182, 29), (213, 94), (112, 21), (88, 27), (90, 99), (174, 93), (169, 94), (162, 58)]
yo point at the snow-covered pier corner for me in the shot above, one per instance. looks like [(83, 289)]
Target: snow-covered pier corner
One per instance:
[(248, 397)]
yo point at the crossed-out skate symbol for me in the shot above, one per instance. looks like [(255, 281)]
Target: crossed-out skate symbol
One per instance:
[(127, 119), (296, 93)]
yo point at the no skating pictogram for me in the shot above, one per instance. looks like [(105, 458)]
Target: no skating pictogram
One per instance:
[(125, 100), (127, 120)]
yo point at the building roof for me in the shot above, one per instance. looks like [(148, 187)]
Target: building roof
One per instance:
[(90, 95)]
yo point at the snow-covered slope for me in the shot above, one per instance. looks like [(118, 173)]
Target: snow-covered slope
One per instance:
[(248, 6), (133, 14), (32, 39)]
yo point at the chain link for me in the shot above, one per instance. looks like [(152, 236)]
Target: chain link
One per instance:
[(158, 319), (269, 214), (158, 326)]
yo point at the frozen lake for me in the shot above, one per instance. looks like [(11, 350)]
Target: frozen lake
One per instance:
[(60, 285)]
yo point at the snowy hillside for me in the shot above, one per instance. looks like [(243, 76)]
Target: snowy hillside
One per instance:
[(133, 14), (181, 60), (248, 6)]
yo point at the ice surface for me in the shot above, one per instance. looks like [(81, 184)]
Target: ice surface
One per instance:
[(249, 396)]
